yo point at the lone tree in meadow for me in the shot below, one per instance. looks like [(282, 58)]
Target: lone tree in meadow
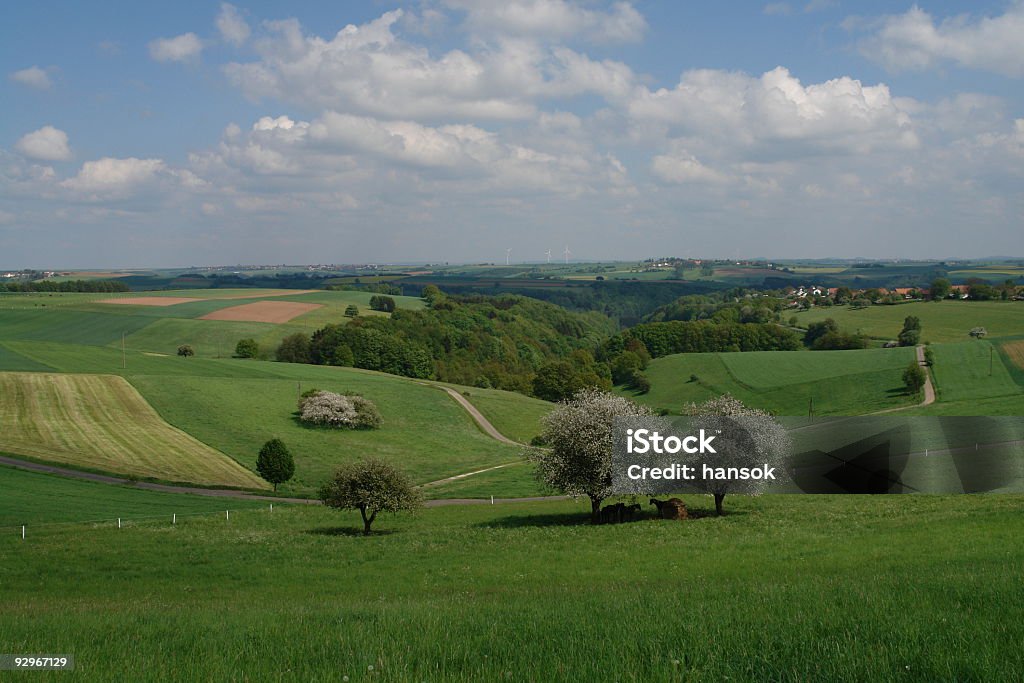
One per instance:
[(274, 463), (186, 351), (914, 378), (351, 311), (370, 486), (578, 433), (749, 437), (246, 348)]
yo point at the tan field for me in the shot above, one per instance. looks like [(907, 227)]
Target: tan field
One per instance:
[(149, 300), (1015, 351), (262, 312), (101, 422)]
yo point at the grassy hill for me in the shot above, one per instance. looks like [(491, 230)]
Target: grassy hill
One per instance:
[(32, 498), (941, 321), (234, 406), (101, 422), (784, 382), (783, 588)]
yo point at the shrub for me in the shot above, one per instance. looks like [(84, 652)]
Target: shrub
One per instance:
[(186, 351), (639, 383), (382, 303), (293, 349), (351, 311), (350, 411), (247, 348)]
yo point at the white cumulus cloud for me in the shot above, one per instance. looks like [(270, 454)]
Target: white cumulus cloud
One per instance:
[(46, 144), (232, 26), (184, 48), (777, 114), (915, 40), (621, 22), (369, 70), (114, 177), (33, 77)]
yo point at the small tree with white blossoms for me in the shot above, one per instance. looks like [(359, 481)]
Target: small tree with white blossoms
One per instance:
[(749, 437), (339, 410), (578, 435)]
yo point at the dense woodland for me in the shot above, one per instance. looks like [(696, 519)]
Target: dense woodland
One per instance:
[(521, 344)]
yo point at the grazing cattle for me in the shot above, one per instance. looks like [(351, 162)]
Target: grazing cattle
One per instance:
[(618, 512)]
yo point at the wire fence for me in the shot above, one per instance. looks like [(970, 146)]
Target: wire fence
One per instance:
[(26, 529)]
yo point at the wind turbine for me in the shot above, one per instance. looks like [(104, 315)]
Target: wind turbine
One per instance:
[(567, 253), (548, 254), (508, 255)]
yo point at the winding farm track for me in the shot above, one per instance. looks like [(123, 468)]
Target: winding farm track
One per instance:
[(477, 416)]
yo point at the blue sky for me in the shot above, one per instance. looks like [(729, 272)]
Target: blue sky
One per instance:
[(206, 133)]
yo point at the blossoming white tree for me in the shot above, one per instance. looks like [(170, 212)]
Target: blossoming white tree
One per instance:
[(749, 437), (578, 433)]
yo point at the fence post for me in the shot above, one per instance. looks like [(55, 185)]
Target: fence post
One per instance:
[(174, 518), (271, 507), (118, 522), (23, 532), (227, 514), (492, 500)]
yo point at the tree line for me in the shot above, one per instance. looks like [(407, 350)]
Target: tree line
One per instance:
[(97, 286)]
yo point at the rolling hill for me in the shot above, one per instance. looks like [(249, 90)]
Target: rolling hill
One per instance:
[(784, 382)]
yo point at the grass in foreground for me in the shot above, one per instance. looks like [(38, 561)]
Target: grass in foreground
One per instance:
[(783, 588), (33, 498), (101, 422)]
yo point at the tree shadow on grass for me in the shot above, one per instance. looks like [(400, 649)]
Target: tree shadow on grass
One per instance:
[(348, 531), (528, 520), (583, 519)]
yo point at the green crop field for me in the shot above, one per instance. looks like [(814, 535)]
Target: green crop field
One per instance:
[(941, 321), (208, 338), (784, 382), (32, 498), (788, 588), (101, 422), (972, 370)]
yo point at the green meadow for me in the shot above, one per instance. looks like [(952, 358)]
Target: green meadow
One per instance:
[(941, 321), (424, 430), (33, 498), (784, 382), (783, 588)]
